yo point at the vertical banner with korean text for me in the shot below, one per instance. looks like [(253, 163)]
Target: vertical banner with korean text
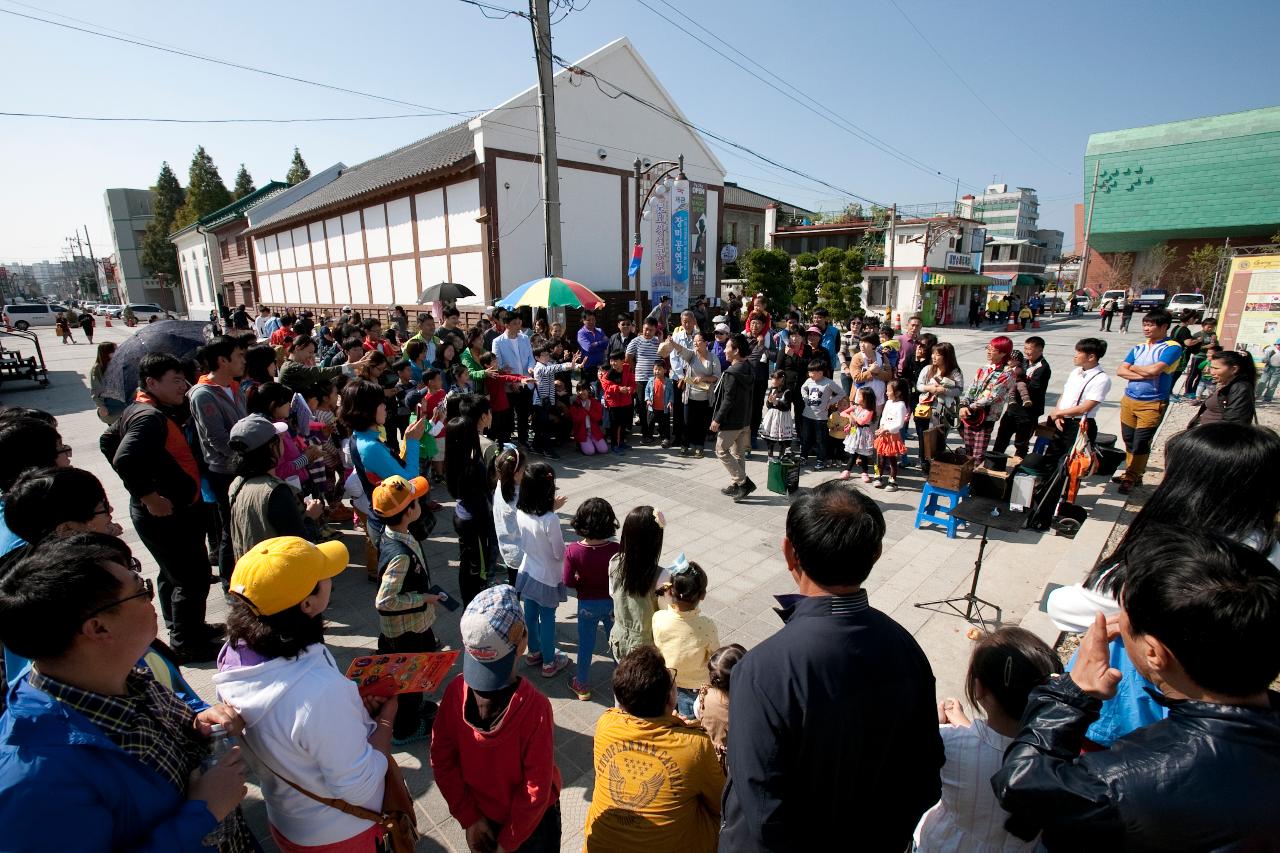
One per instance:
[(697, 240), (680, 246), (660, 269)]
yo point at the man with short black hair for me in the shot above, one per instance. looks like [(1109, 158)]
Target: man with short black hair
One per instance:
[(594, 346), (1150, 368), (266, 323), (620, 339), (427, 334), (731, 417), (1200, 619), (1086, 389), (496, 328), (240, 318), (835, 732), (515, 358), (451, 331), (642, 352)]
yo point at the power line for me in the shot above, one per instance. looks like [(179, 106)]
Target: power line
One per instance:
[(217, 120), (504, 13)]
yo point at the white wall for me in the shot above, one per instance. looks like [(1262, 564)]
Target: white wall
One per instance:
[(200, 273)]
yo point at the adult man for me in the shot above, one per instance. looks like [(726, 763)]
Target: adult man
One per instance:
[(684, 337), (1086, 388), (791, 327), (621, 339), (731, 417), (658, 781), (299, 372), (148, 448), (1270, 372), (975, 310), (451, 331), (1107, 313), (993, 307), (266, 323), (1193, 350), (1019, 423), (373, 339), (498, 326), (427, 334), (841, 692), (830, 337), (642, 352), (907, 343), (594, 346), (1149, 368), (240, 318), (661, 313), (1206, 777), (761, 357), (94, 754), (515, 357), (217, 403)]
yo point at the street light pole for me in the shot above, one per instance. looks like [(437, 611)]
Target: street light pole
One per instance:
[(640, 172)]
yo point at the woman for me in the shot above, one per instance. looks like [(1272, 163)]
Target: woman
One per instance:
[(471, 358), (793, 360), (982, 404), (1218, 478), (262, 505), (259, 367), (561, 343), (446, 358), (940, 385), (701, 373), (400, 322), (363, 409), (108, 409), (467, 479), (540, 335), (307, 723), (1231, 400)]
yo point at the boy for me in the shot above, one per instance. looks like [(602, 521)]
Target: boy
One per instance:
[(495, 385), (397, 411), (819, 394), (544, 377), (353, 352), (1200, 619), (1086, 389), (1206, 385), (431, 446), (405, 604), (618, 385), (415, 351), (493, 746), (659, 393)]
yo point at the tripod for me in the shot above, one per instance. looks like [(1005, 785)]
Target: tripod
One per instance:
[(979, 511)]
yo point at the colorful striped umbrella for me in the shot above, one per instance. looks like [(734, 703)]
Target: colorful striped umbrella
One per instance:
[(552, 292)]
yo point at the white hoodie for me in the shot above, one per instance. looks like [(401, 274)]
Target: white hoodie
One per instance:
[(305, 719)]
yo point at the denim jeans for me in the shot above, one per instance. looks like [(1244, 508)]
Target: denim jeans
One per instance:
[(591, 613), (541, 622), (684, 702)]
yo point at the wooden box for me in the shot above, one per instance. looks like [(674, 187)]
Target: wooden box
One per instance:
[(950, 470)]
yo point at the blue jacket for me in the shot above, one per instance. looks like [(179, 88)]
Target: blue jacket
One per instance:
[(668, 392), (65, 786)]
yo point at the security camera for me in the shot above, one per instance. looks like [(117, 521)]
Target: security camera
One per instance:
[(646, 163), (602, 153)]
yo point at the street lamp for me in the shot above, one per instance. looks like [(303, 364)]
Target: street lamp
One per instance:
[(644, 169)]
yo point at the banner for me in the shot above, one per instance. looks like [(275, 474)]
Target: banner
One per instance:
[(636, 255), (680, 246), (660, 269), (698, 240), (1249, 319)]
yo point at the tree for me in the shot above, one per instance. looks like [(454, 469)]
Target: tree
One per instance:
[(298, 171), (839, 277), (805, 280), (1201, 267), (1120, 275), (205, 190), (159, 255), (1159, 259), (244, 184), (769, 272)]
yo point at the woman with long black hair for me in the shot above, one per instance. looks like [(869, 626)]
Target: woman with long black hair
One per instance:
[(467, 479), (108, 410), (1231, 400)]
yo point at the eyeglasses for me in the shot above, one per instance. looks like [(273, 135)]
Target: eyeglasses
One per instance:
[(106, 510), (148, 591), (64, 450)]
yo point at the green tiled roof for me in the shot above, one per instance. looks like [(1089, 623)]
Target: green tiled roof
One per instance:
[(240, 206), (1208, 177)]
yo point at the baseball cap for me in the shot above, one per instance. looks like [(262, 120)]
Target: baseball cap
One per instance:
[(492, 627), (395, 493), (722, 327), (719, 318), (278, 573), (254, 431), (813, 330)]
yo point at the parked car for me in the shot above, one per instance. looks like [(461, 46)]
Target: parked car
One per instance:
[(1180, 302), (24, 315), (1084, 302), (144, 311), (1112, 294), (106, 309), (1150, 298)]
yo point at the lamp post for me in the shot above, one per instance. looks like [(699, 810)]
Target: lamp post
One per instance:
[(643, 172)]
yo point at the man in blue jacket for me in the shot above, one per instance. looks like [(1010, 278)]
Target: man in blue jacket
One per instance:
[(93, 754)]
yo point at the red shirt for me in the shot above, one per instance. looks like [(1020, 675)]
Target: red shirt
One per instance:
[(658, 403), (614, 397), (586, 569), (281, 337), (496, 388), (586, 419)]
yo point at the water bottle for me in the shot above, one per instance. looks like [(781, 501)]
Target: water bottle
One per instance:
[(221, 744)]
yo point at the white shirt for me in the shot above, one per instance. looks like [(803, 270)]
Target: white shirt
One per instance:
[(1092, 384), (504, 522), (542, 541)]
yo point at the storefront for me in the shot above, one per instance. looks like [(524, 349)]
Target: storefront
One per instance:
[(946, 297), (1023, 285)]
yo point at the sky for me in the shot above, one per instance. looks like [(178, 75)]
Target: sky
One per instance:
[(978, 92)]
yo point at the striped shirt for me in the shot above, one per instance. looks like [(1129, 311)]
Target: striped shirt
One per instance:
[(544, 376), (1146, 354), (645, 352)]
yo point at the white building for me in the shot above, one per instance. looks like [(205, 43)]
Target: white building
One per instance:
[(464, 204), (936, 264), (1006, 212)]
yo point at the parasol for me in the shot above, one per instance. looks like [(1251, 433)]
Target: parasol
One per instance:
[(178, 338), (443, 292), (552, 292)]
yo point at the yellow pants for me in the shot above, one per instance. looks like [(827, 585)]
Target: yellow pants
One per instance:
[(1139, 420)]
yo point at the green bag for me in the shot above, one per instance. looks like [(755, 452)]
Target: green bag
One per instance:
[(784, 476)]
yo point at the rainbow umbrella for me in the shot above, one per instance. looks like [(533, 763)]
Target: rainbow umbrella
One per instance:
[(552, 292)]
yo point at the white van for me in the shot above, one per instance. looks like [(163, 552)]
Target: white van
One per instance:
[(144, 311), (24, 315)]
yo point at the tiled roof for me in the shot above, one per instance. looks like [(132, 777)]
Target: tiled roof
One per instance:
[(742, 197), (438, 151), (239, 207)]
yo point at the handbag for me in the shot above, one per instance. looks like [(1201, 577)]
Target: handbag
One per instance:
[(924, 409)]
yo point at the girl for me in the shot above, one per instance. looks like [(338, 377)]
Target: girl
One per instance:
[(468, 482), (712, 707), (508, 471), (274, 401), (684, 636), (1018, 423), (446, 358), (587, 414), (888, 438), (259, 368), (634, 578), (540, 582), (108, 410), (1006, 666), (586, 569), (777, 427), (860, 442), (619, 385)]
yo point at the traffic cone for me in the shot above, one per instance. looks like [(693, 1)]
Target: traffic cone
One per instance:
[(1035, 324), (108, 321)]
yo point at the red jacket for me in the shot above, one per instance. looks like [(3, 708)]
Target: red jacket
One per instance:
[(507, 774), (586, 418), (613, 397)]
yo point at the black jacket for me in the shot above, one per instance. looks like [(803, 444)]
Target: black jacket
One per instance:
[(1231, 404), (733, 399), (1038, 385), (1205, 778), (154, 453), (835, 740)]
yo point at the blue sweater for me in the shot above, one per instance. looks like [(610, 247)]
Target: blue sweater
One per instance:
[(378, 460), (65, 786)]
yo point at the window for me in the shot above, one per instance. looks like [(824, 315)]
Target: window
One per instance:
[(995, 253), (902, 239), (733, 232), (877, 292), (241, 247), (226, 250), (755, 236), (1013, 253)]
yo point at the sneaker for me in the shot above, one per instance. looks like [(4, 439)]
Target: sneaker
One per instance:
[(866, 478), (730, 490), (745, 489), (533, 659), (579, 689), (699, 454), (1126, 486), (434, 506), (666, 444), (684, 451), (877, 483), (893, 485), (1118, 477), (423, 731), (559, 662), (845, 475), (619, 450), (818, 466), (198, 652)]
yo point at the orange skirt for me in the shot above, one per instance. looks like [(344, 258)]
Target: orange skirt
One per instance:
[(890, 445)]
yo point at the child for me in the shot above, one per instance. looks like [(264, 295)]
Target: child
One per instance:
[(1207, 385), (586, 570), (777, 426), (508, 471), (541, 579), (860, 442), (544, 400), (353, 350), (397, 411), (415, 352), (888, 438), (634, 578), (712, 707), (64, 328), (587, 414), (659, 393), (406, 606), (618, 383), (460, 380), (431, 447), (467, 479), (1020, 395), (684, 636), (1004, 668), (495, 385), (819, 394), (492, 748)]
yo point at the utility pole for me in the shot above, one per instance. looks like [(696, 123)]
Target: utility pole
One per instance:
[(96, 283), (540, 20), (891, 292), (1088, 230)]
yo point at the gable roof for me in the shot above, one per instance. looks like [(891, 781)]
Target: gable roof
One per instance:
[(743, 197), (441, 150), (240, 207)]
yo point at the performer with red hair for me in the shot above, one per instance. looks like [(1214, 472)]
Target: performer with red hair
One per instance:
[(982, 404)]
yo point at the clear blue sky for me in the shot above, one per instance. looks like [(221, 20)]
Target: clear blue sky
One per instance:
[(1053, 72)]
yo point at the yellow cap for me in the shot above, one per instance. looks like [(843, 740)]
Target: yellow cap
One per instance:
[(278, 573), (395, 493)]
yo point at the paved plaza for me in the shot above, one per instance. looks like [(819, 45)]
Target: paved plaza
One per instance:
[(739, 545)]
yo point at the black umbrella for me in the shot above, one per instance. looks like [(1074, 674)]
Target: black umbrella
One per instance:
[(443, 292), (178, 338)]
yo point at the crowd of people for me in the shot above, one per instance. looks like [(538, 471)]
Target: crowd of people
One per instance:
[(239, 462)]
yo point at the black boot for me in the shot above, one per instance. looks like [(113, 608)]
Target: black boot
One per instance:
[(746, 488)]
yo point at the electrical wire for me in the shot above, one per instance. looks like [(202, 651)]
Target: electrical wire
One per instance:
[(506, 13), (216, 120)]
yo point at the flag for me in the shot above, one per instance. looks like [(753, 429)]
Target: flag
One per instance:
[(636, 254)]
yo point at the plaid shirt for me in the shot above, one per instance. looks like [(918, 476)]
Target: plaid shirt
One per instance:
[(392, 597), (154, 726)]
